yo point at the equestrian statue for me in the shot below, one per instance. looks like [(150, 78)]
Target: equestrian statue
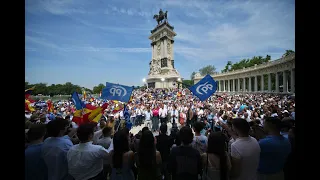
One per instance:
[(161, 16)]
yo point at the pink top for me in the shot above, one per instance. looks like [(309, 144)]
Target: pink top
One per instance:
[(155, 112)]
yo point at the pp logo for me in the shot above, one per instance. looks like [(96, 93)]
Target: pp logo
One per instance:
[(203, 88), (118, 90)]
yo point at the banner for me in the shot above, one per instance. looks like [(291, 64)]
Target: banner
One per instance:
[(204, 88), (116, 92)]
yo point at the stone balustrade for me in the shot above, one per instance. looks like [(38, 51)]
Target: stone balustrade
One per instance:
[(252, 79)]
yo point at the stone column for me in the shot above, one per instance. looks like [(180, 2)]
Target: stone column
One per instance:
[(269, 82), (233, 85), (162, 49), (154, 48), (292, 81), (277, 82), (220, 85), (262, 83), (217, 86), (165, 49), (285, 82), (255, 84), (244, 85), (171, 52), (250, 84), (238, 88), (229, 85), (152, 54)]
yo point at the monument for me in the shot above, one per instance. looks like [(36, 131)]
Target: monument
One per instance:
[(162, 72)]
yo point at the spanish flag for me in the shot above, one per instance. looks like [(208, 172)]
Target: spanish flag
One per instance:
[(50, 106), (89, 114), (84, 94), (131, 97), (118, 108), (28, 106), (79, 117), (97, 111), (28, 92)]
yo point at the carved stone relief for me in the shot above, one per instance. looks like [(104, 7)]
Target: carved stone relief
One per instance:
[(168, 47), (155, 67), (158, 49), (164, 63)]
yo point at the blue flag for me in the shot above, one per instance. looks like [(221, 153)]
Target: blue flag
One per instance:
[(126, 113), (116, 92), (77, 102), (204, 88)]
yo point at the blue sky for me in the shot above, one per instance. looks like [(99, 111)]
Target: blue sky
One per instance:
[(88, 42)]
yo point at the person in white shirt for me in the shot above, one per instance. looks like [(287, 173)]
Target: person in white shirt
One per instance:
[(105, 142), (148, 115), (246, 117), (174, 115), (85, 160), (245, 151), (139, 116), (163, 114)]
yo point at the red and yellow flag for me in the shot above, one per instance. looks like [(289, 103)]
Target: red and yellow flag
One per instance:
[(50, 106), (84, 94), (28, 106)]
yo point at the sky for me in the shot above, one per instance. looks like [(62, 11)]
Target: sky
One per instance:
[(88, 42)]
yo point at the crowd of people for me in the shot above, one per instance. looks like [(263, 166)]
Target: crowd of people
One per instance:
[(228, 136)]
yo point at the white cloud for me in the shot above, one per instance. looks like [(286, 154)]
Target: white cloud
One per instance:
[(207, 30), (267, 26)]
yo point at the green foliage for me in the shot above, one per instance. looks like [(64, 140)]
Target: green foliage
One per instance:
[(56, 89), (187, 83), (98, 89), (244, 63), (288, 52), (210, 69)]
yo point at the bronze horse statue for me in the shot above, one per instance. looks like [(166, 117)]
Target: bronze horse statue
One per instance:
[(160, 17)]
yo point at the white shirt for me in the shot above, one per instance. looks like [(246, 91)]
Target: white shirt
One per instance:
[(176, 113), (162, 113), (138, 111), (85, 160), (96, 136), (148, 115), (248, 150)]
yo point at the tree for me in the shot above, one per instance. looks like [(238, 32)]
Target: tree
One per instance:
[(98, 89), (54, 89), (227, 67), (288, 52), (187, 83), (210, 69), (192, 75), (268, 58)]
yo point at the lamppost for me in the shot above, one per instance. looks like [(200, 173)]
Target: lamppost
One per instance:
[(179, 80), (145, 82), (162, 79)]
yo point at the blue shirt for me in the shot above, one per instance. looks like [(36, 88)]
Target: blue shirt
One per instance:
[(54, 151), (35, 167), (273, 155)]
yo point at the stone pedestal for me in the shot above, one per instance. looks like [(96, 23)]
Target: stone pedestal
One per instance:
[(162, 73)]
